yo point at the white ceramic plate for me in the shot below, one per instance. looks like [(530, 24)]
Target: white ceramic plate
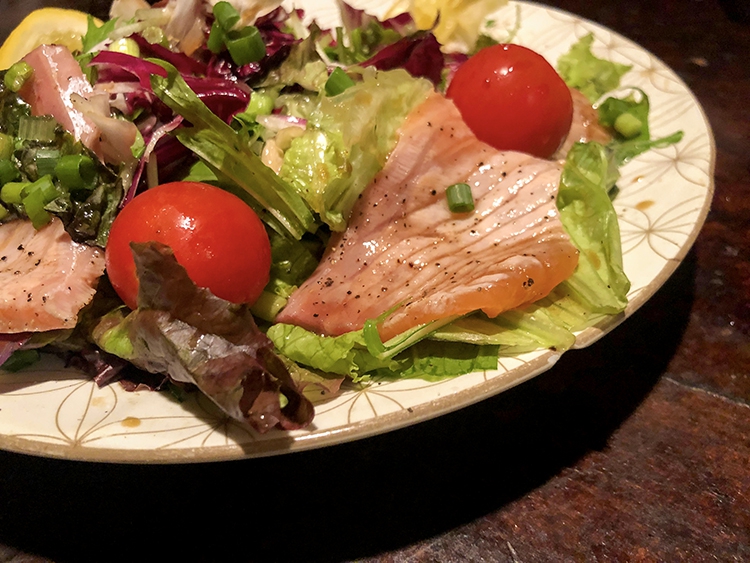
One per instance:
[(664, 198)]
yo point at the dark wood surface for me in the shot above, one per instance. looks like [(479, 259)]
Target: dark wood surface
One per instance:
[(636, 449)]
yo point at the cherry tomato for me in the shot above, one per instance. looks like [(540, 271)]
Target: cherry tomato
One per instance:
[(214, 235), (512, 99)]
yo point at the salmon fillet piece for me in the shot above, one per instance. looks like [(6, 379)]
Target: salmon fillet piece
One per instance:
[(584, 127), (404, 249), (57, 78), (45, 277), (59, 88)]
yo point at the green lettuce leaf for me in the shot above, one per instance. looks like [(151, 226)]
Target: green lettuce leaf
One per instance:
[(589, 217), (631, 110), (348, 139), (346, 354), (593, 76), (350, 355), (432, 360), (628, 118), (228, 155)]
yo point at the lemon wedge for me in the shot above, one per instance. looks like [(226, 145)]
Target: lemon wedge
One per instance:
[(45, 25)]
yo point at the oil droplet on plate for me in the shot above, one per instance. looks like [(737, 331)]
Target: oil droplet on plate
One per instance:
[(643, 205), (131, 422)]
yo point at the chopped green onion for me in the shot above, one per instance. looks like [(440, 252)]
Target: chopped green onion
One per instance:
[(7, 146), (45, 186), (628, 125), (338, 82), (125, 45), (35, 197), (76, 172), (226, 15), (11, 192), (46, 161), (17, 75), (33, 128), (154, 35), (260, 104), (268, 306), (3, 212), (460, 199), (8, 172), (34, 204), (245, 46), (216, 38)]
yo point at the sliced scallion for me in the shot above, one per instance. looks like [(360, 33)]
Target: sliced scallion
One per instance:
[(460, 199), (34, 204), (3, 212), (226, 15), (8, 172), (125, 45), (37, 128), (7, 146), (35, 197), (245, 46), (337, 82), (11, 192), (628, 125), (215, 42), (76, 172), (46, 161), (17, 75)]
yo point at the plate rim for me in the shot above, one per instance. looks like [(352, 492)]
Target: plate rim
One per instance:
[(286, 443)]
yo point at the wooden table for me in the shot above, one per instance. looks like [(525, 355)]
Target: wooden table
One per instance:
[(637, 449)]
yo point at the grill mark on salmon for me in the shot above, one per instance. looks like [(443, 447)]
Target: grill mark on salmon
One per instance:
[(404, 249), (45, 277)]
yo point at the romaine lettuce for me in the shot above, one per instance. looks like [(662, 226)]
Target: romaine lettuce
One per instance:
[(347, 139)]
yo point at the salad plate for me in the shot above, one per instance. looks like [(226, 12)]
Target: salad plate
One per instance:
[(664, 197)]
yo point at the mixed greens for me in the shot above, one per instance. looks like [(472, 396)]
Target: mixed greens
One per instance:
[(296, 121)]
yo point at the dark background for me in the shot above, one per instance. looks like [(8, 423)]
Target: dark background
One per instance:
[(636, 449)]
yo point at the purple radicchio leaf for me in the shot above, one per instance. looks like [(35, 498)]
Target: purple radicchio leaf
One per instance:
[(184, 64), (224, 95), (196, 337), (419, 55), (278, 46), (355, 18)]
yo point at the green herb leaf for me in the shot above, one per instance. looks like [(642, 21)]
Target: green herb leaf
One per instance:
[(96, 34)]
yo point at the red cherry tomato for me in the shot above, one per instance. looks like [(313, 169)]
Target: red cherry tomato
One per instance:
[(215, 236), (512, 99)]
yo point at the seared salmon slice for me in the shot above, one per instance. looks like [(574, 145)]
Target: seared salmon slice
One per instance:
[(45, 277), (405, 251), (59, 88), (584, 127)]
